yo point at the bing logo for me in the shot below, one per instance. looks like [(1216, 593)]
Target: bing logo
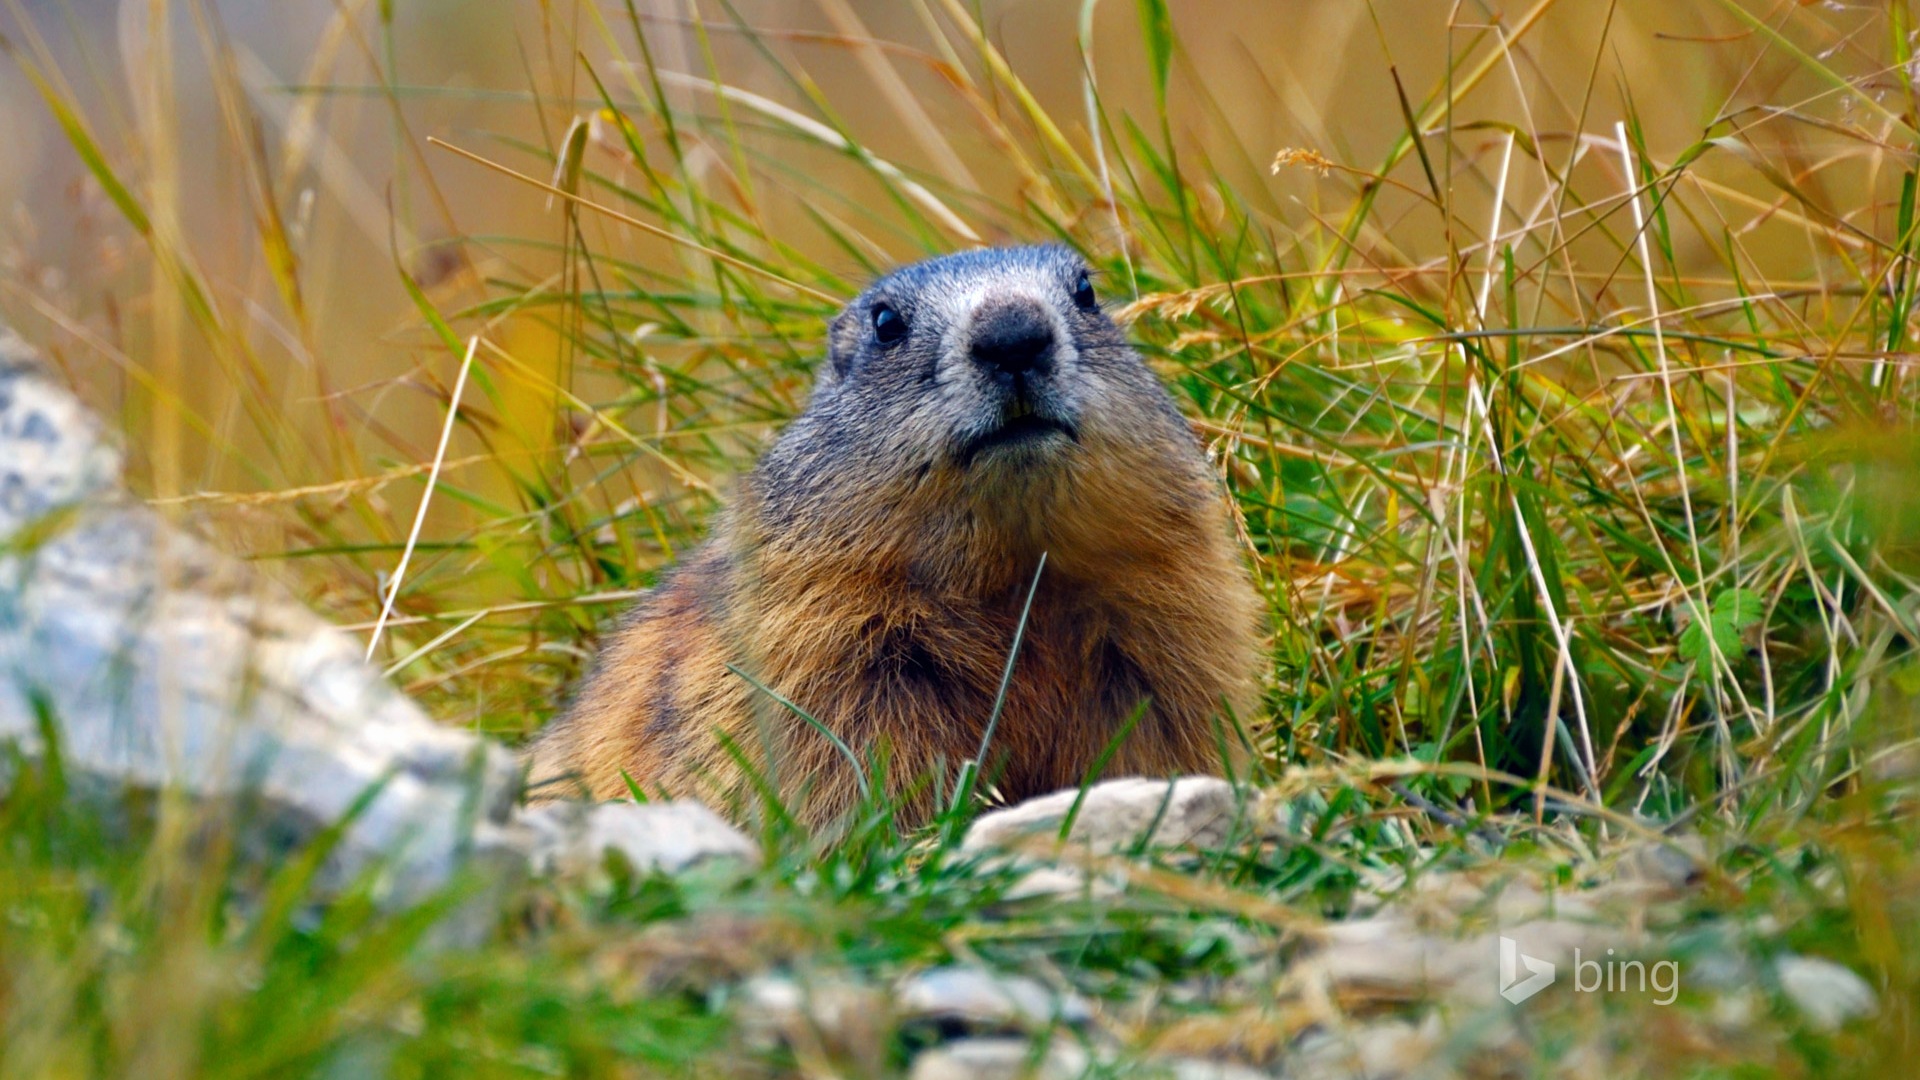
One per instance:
[(1512, 987)]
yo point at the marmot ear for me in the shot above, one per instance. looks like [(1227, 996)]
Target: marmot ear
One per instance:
[(844, 340)]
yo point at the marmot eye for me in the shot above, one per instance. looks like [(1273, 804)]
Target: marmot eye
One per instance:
[(888, 327), (1083, 293)]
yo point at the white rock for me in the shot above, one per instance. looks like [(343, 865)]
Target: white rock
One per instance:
[(1065, 881), (1828, 994), (1019, 1059), (165, 664), (1675, 864), (1381, 1050), (1723, 969), (1202, 1069), (1441, 939), (572, 839), (980, 998), (1117, 815), (1734, 1010), (1001, 1059), (780, 1008)]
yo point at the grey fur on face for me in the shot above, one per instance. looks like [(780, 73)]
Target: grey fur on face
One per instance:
[(994, 366)]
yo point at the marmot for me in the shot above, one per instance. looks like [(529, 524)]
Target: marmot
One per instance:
[(975, 412)]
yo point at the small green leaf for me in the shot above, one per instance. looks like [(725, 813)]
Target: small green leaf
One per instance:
[(1741, 608), (1729, 616), (1734, 610), (1726, 636), (1693, 642)]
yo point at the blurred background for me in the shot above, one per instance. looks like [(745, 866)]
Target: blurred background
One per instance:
[(330, 104), (226, 223)]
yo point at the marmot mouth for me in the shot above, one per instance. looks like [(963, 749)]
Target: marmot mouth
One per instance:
[(1020, 427)]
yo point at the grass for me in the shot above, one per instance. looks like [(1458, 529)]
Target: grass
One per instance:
[(1575, 456)]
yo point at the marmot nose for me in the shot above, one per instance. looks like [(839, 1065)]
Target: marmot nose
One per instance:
[(1013, 340)]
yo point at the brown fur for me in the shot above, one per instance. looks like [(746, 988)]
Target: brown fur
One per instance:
[(886, 604)]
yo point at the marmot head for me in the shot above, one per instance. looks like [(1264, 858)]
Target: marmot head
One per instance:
[(989, 377)]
